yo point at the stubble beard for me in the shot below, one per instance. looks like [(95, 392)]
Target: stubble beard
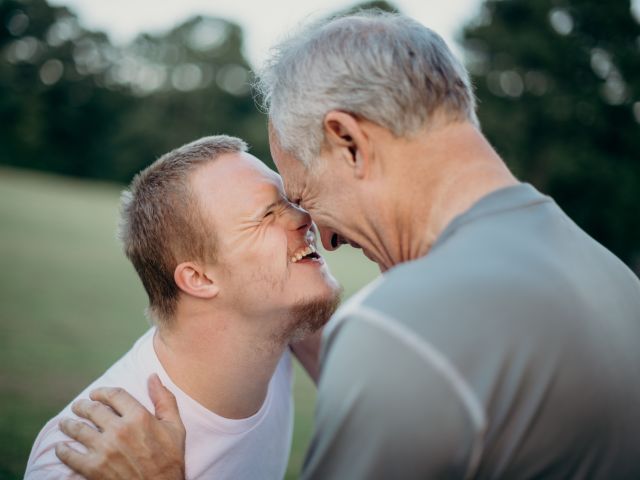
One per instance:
[(309, 315), (306, 316)]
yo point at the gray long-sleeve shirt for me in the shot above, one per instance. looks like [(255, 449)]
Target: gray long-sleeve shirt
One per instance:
[(512, 350)]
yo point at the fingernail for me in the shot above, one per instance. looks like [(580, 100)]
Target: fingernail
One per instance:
[(66, 424), (61, 450)]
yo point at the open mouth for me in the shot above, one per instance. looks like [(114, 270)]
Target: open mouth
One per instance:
[(306, 253), (337, 240)]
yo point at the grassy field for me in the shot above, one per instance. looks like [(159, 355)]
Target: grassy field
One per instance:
[(70, 305)]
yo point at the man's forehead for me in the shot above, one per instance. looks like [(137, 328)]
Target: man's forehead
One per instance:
[(234, 173), (247, 166), (291, 188), (239, 189), (291, 171), (265, 170), (264, 190), (280, 154), (259, 178), (269, 179)]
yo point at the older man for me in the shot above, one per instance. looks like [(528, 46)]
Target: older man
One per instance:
[(501, 341), (233, 277)]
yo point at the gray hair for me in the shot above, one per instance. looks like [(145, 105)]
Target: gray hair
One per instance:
[(384, 67), (162, 223)]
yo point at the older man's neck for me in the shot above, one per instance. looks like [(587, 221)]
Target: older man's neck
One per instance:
[(223, 367), (455, 167)]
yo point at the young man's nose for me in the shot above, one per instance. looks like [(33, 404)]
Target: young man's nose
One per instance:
[(300, 220)]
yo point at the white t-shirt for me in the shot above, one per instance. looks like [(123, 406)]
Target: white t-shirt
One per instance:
[(256, 447)]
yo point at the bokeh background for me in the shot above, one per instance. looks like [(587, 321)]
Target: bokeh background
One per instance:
[(85, 104)]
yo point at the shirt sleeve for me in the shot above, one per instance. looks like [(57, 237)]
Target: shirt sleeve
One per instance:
[(385, 411), (43, 463)]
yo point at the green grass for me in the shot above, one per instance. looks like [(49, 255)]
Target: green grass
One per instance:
[(70, 305)]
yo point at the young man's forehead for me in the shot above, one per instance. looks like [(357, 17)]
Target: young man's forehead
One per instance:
[(244, 166), (235, 180), (261, 186), (262, 167)]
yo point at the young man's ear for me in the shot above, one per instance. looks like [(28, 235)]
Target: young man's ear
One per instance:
[(193, 280), (348, 136)]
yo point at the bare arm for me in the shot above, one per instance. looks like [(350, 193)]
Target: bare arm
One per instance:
[(307, 352), (128, 441)]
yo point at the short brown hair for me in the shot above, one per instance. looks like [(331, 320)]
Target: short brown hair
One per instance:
[(161, 222)]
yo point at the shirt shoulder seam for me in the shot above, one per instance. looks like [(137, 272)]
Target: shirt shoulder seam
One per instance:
[(440, 364)]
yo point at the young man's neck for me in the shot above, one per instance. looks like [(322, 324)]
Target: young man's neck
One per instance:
[(218, 363)]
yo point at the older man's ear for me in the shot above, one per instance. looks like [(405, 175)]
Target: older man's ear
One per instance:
[(349, 138), (195, 280)]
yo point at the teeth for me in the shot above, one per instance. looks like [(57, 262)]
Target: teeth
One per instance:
[(308, 250)]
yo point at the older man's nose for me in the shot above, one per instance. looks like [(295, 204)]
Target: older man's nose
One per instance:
[(330, 239)]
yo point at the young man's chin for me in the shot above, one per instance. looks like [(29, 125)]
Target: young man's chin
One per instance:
[(309, 315)]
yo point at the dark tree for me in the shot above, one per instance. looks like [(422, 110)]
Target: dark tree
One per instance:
[(72, 103), (558, 83)]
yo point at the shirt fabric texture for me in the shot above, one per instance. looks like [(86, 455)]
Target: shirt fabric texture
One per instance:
[(256, 447), (511, 350)]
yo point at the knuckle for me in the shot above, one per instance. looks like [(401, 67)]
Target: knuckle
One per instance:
[(139, 416), (76, 428), (92, 407), (70, 426), (62, 451), (77, 407), (113, 393)]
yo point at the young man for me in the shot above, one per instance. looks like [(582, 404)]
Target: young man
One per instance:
[(501, 341), (233, 278)]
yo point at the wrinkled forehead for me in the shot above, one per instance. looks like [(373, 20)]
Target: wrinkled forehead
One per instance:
[(292, 171), (275, 144)]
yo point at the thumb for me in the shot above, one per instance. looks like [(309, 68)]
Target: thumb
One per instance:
[(163, 400)]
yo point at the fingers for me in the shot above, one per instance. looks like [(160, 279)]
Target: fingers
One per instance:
[(119, 400), (163, 400), (96, 412), (79, 431), (73, 459)]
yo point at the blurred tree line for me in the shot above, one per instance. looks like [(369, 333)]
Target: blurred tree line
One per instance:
[(73, 103), (557, 82)]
